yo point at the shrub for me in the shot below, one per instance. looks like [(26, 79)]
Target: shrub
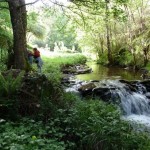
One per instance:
[(123, 58), (10, 84), (105, 130), (103, 59)]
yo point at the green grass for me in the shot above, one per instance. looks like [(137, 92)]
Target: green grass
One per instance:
[(52, 65), (63, 60)]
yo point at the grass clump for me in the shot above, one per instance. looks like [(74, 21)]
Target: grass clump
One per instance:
[(66, 59)]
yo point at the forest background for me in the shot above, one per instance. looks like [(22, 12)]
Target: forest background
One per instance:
[(115, 32)]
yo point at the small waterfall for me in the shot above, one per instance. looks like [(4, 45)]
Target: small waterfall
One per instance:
[(131, 102), (135, 105)]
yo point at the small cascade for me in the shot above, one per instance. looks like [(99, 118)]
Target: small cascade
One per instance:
[(135, 105), (130, 102)]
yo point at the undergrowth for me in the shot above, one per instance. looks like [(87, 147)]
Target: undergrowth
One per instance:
[(90, 125), (64, 121)]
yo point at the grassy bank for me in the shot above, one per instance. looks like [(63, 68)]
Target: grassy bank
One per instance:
[(52, 65)]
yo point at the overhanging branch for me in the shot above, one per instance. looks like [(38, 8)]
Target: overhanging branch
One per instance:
[(29, 3)]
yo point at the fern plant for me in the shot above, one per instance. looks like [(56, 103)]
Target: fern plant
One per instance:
[(10, 84)]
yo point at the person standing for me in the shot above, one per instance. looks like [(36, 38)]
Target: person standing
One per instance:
[(38, 60), (30, 57)]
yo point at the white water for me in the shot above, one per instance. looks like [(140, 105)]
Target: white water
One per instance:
[(140, 119), (135, 105)]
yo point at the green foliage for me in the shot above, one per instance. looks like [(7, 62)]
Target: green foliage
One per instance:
[(27, 135), (9, 88), (123, 58), (5, 35), (95, 125), (104, 129), (52, 96), (102, 59), (5, 28), (126, 29), (69, 99), (52, 70), (40, 95), (122, 1), (79, 125), (35, 27), (10, 84), (61, 29), (51, 99), (3, 57), (148, 66), (52, 66)]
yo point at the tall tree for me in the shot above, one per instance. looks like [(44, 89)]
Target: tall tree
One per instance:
[(18, 15), (17, 10), (108, 31)]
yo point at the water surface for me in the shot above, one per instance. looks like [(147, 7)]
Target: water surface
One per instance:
[(100, 72)]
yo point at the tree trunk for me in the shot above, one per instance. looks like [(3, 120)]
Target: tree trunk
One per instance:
[(10, 55), (145, 51), (101, 43), (18, 19), (108, 33)]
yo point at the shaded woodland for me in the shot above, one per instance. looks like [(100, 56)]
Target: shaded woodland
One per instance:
[(35, 110)]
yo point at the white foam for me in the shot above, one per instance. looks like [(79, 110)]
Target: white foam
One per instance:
[(140, 119)]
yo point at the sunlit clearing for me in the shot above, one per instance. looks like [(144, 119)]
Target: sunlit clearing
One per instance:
[(47, 53)]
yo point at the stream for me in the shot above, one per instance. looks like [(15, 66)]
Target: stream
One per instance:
[(135, 104), (100, 73)]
